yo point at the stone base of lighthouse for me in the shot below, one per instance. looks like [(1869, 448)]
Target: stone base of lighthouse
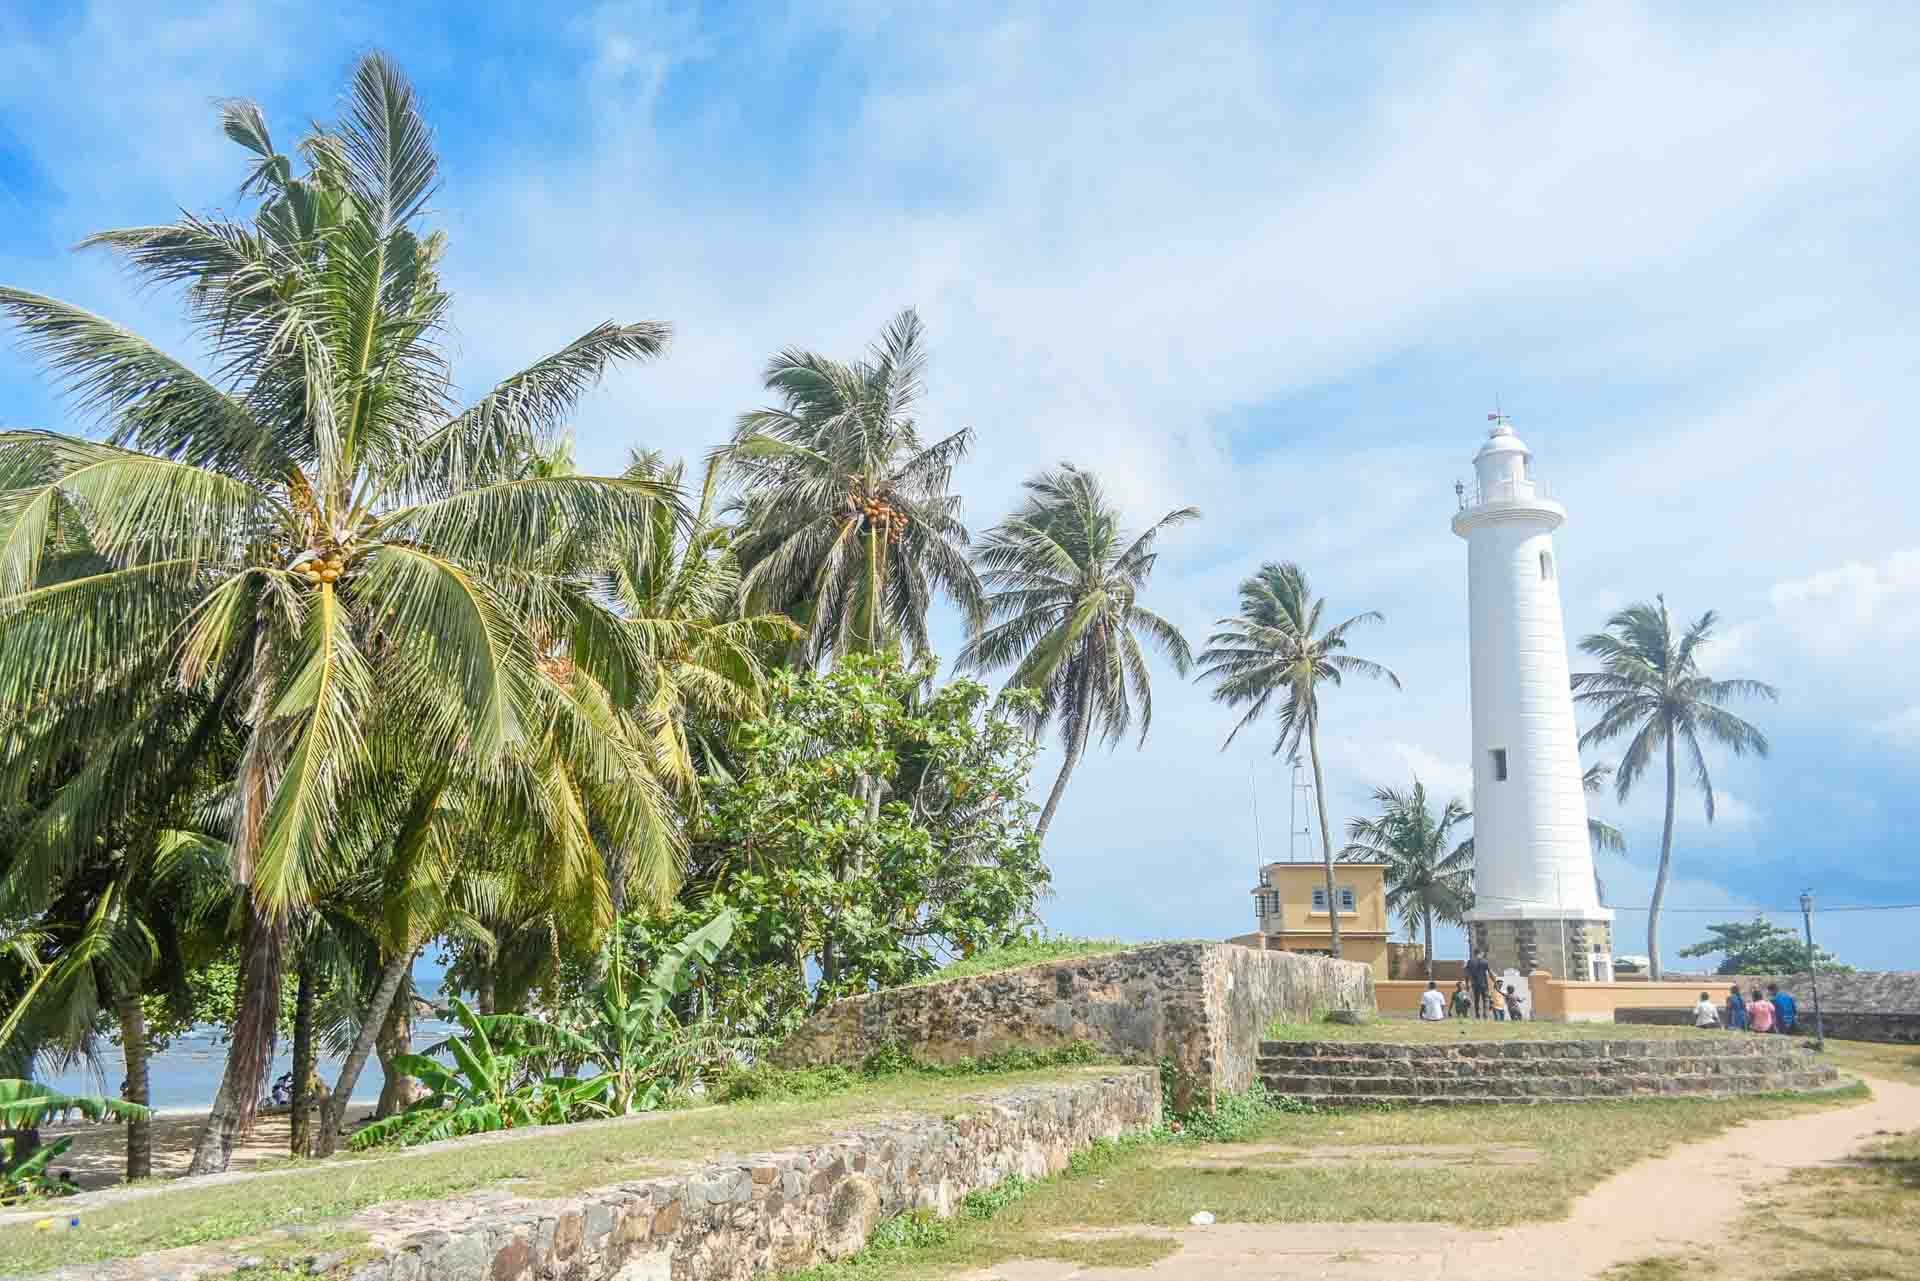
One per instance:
[(1566, 949)]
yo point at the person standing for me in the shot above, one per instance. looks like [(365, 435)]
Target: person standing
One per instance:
[(1705, 1013), (1433, 1006), (1480, 978), (1497, 1004), (1736, 1010), (1516, 1008), (1462, 1003), (1786, 1011), (1759, 1012)]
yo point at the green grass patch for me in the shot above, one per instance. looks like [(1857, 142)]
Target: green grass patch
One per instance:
[(1413, 1031), (547, 1162), (1019, 955), (1083, 1216)]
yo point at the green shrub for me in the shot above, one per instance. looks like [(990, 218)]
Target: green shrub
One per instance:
[(765, 1083)]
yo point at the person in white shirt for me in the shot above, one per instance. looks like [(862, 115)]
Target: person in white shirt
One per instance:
[(1433, 1006), (1705, 1012)]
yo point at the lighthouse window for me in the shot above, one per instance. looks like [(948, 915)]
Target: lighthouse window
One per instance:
[(1499, 755), (1546, 564)]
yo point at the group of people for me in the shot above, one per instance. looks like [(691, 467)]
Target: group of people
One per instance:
[(1487, 1000), (1768, 1011)]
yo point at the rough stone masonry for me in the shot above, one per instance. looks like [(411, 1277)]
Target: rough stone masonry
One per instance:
[(1202, 1006), (723, 1220)]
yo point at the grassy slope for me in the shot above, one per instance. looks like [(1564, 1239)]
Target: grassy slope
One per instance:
[(1017, 956), (549, 1163), (1414, 1031)]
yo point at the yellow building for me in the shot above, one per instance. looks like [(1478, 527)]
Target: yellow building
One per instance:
[(1291, 907)]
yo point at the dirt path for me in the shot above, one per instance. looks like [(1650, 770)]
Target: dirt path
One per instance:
[(1666, 1204)]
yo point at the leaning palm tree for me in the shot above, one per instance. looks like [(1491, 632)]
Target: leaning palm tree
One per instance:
[(1066, 580), (1650, 686), (1426, 880), (1276, 648), (848, 523), (313, 538)]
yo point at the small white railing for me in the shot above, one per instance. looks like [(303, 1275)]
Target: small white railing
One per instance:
[(1505, 491)]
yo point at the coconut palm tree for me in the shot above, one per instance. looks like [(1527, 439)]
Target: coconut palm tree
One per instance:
[(1064, 579), (1426, 880), (1276, 647), (676, 584), (1651, 690), (313, 538), (848, 524)]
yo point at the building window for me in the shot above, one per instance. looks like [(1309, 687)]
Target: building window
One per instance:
[(1346, 899), (1546, 565), (1499, 755), (1265, 905)]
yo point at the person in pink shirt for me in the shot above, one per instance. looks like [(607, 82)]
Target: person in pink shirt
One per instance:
[(1760, 1012)]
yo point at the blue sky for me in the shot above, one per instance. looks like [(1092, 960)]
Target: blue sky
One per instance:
[(1278, 265)]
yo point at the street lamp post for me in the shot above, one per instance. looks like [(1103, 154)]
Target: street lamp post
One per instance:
[(1813, 972)]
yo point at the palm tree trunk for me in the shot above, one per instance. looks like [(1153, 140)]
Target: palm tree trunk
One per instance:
[(396, 1038), (133, 1041), (300, 1143), (1076, 747), (256, 1018), (1666, 865), (1428, 915), (334, 1115), (1326, 836), (873, 590), (484, 992)]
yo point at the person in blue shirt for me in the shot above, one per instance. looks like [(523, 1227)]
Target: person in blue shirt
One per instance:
[(1784, 1009), (1736, 1010)]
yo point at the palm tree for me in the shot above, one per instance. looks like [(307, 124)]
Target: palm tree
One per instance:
[(1426, 881), (1066, 581), (848, 523), (1650, 686), (1601, 834), (1276, 647), (313, 538), (676, 584)]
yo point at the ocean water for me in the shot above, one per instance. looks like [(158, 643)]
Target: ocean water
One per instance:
[(187, 1075)]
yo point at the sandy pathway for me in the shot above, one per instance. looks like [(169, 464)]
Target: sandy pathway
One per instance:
[(99, 1154), (1663, 1205)]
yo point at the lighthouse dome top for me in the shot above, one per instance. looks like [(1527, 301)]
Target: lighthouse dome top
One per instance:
[(1501, 440)]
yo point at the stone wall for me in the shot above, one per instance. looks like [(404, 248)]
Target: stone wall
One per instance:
[(1202, 1005), (1868, 992), (729, 1219), (1344, 1072), (1841, 1025)]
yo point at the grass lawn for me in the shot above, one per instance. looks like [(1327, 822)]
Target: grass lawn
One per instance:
[(1899, 1062), (547, 1163), (1414, 1031), (1016, 956), (1470, 1167), (1826, 1223)]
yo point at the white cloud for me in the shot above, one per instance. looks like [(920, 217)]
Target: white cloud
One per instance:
[(1902, 727), (1854, 607)]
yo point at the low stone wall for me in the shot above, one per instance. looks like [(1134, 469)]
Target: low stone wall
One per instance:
[(1202, 1005), (722, 1221), (1337, 1072), (1841, 1025)]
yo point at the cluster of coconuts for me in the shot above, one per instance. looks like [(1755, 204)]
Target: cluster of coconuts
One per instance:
[(324, 569), (878, 514)]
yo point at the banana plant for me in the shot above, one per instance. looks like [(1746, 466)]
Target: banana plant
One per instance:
[(638, 1043), (24, 1105)]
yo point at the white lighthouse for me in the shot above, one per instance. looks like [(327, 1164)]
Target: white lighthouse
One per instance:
[(1536, 904)]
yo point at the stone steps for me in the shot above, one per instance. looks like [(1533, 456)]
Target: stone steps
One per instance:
[(1468, 1072)]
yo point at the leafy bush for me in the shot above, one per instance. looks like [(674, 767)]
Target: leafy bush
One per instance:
[(764, 1083), (24, 1105)]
